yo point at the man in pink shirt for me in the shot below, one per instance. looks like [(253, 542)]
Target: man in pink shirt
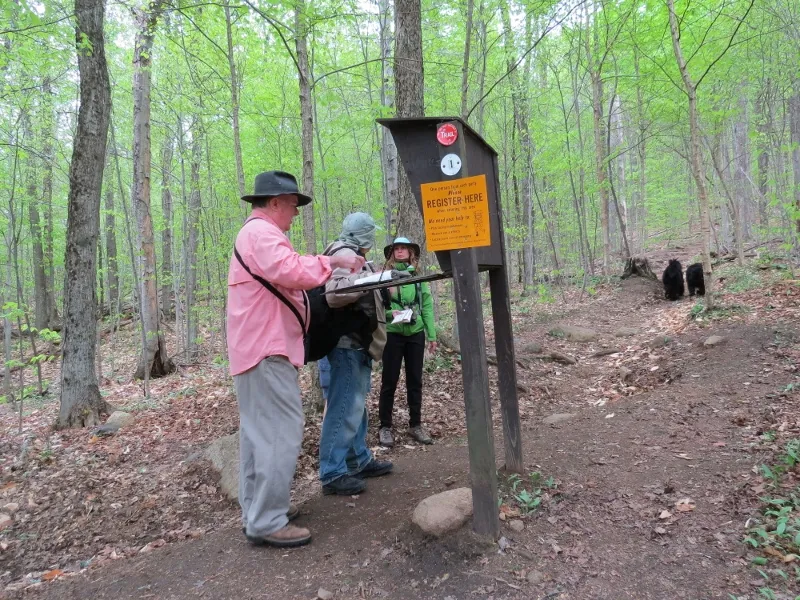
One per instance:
[(265, 349)]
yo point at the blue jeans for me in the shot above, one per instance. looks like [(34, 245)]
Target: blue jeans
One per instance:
[(343, 444), (324, 375)]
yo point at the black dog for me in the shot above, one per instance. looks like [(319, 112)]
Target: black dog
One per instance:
[(694, 279), (673, 280)]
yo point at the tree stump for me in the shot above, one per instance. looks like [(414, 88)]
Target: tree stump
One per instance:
[(637, 265)]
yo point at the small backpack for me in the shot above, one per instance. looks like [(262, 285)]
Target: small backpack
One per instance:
[(327, 324)]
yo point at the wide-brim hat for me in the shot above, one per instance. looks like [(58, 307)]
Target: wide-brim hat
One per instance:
[(387, 250), (276, 183)]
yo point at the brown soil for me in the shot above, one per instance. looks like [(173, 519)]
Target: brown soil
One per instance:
[(655, 475)]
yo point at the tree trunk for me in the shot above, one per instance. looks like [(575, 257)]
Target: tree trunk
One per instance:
[(389, 162), (741, 165), (581, 208), (764, 126), (167, 151), (409, 81), (641, 201), (81, 403), (794, 116), (595, 74), (616, 132), (583, 240), (41, 300), (307, 120), (520, 108), (237, 144), (325, 217), (733, 205), (482, 73), (465, 64), (193, 216), (47, 203), (112, 270), (154, 360), (696, 157)]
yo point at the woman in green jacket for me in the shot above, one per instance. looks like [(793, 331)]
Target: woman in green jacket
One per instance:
[(406, 341)]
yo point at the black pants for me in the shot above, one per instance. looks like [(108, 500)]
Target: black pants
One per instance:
[(412, 349)]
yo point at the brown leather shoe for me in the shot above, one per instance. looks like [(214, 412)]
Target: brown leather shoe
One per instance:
[(288, 537)]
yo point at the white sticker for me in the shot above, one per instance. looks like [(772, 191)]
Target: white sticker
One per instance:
[(451, 164)]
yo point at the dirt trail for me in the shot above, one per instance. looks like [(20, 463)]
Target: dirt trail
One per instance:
[(653, 474)]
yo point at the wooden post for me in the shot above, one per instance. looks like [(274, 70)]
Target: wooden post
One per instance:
[(482, 467), (480, 438), (506, 369), (462, 153), (506, 361)]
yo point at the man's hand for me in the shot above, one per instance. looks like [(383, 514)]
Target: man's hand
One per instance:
[(352, 262)]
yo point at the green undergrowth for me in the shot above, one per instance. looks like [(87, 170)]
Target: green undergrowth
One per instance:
[(773, 534), (524, 494), (701, 314)]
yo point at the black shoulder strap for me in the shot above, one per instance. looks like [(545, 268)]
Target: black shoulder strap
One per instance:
[(342, 247), (272, 289)]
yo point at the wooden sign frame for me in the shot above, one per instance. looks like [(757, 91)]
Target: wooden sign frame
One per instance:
[(420, 151)]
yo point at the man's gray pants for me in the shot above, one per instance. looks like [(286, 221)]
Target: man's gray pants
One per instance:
[(271, 425)]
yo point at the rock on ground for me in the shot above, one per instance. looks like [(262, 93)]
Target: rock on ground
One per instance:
[(625, 331), (516, 525), (561, 357), (574, 333), (224, 456), (444, 512), (5, 522), (660, 341), (119, 419), (714, 340), (535, 577), (10, 508), (530, 348), (557, 418)]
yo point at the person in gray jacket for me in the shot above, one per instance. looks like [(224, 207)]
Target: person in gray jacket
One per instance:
[(344, 458)]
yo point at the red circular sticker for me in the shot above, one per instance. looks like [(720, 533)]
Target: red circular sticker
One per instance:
[(447, 134)]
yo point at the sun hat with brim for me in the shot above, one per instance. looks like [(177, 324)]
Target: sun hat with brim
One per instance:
[(276, 183), (401, 241)]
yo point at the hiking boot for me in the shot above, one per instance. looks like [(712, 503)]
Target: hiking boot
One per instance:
[(288, 537), (291, 514), (344, 486), (419, 434), (385, 437), (375, 468)]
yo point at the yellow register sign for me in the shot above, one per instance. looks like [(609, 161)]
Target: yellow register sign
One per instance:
[(456, 213)]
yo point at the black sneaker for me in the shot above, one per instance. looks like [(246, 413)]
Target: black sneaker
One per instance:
[(375, 468), (344, 486)]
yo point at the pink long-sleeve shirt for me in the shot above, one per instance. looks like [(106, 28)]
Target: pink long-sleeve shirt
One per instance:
[(259, 324)]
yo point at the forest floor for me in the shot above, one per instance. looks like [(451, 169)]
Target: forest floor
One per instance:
[(671, 474)]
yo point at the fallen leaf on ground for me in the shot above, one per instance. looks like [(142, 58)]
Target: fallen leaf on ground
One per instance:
[(50, 575), (685, 505), (152, 546)]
